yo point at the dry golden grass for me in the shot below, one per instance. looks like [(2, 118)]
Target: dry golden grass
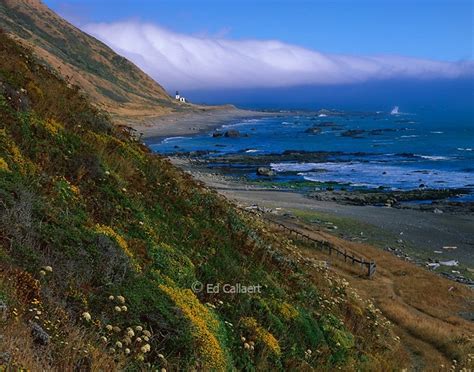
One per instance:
[(424, 307), (75, 353), (71, 346)]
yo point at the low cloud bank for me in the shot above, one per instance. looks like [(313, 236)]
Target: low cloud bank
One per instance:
[(180, 61)]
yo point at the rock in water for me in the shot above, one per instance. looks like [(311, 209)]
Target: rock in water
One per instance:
[(313, 130), (263, 171), (437, 211), (232, 133), (354, 133)]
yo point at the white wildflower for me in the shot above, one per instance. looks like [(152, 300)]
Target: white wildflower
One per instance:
[(145, 348), (87, 317), (121, 299)]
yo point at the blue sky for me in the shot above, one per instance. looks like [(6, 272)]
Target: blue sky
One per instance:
[(229, 45), (441, 30)]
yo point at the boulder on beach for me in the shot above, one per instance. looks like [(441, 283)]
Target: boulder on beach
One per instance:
[(264, 171), (449, 263)]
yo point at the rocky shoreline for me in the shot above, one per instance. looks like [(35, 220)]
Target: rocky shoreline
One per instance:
[(438, 199), (439, 242), (256, 170)]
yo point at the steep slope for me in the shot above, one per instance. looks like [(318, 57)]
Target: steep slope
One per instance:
[(111, 81), (103, 246)]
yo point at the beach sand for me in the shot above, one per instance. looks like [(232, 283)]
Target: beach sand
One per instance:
[(192, 123)]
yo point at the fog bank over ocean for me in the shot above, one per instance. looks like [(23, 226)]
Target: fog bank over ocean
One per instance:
[(457, 94)]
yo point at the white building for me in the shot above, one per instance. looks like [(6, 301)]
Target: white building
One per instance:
[(179, 98)]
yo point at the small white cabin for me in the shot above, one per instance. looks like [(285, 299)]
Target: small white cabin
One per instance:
[(182, 99)]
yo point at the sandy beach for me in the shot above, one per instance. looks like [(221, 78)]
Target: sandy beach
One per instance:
[(194, 122)]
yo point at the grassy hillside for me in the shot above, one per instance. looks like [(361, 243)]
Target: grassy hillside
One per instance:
[(101, 242), (110, 80)]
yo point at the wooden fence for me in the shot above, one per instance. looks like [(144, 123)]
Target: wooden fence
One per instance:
[(368, 267)]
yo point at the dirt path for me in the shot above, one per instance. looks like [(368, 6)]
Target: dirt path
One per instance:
[(422, 306)]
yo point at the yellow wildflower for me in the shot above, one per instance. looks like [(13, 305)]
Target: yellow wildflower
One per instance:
[(262, 335), (4, 165), (204, 327)]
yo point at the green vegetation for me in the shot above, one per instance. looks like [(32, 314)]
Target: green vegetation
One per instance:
[(101, 242)]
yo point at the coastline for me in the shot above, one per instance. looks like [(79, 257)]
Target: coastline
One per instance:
[(416, 234), (192, 123), (412, 235)]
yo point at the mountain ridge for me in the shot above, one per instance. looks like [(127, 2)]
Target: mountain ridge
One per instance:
[(111, 81)]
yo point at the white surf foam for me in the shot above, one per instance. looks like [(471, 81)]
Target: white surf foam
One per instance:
[(376, 174), (171, 139)]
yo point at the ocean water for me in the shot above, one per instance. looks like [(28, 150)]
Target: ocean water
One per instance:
[(403, 150)]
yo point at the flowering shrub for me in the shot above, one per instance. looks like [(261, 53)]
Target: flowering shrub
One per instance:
[(4, 165), (288, 311), (52, 126), (204, 327), (121, 242), (261, 335)]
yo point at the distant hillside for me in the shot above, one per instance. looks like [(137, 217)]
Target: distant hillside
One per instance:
[(111, 81)]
